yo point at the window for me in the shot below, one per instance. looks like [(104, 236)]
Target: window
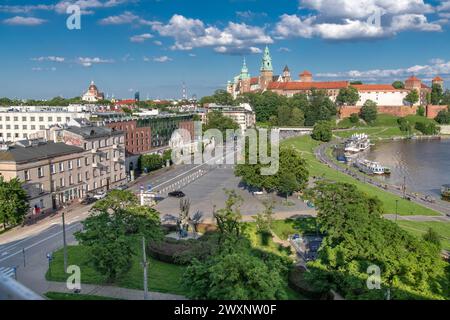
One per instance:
[(67, 119), (24, 118), (79, 177), (24, 127), (58, 119), (79, 163), (26, 174), (70, 180), (16, 127), (33, 127), (61, 182), (70, 165), (41, 119), (33, 119), (53, 186), (40, 172), (87, 175), (95, 184), (16, 119), (52, 169), (8, 118), (41, 127), (50, 119), (86, 161), (61, 167), (8, 126)]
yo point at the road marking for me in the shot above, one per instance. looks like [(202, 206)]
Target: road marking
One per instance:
[(4, 253), (38, 243)]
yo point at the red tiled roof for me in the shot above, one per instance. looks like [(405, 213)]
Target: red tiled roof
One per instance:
[(438, 79), (424, 86), (413, 78), (375, 87), (254, 80), (307, 85), (125, 102), (306, 73)]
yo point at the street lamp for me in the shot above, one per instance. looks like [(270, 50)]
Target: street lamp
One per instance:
[(64, 238)]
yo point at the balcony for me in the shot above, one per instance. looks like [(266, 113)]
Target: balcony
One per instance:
[(94, 150)]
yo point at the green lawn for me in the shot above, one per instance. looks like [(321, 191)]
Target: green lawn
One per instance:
[(419, 228), (284, 228), (162, 277), (74, 296), (306, 145)]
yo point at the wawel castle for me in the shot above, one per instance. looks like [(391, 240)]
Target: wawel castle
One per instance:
[(389, 99)]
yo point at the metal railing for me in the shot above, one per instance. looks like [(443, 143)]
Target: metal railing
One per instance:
[(10, 289)]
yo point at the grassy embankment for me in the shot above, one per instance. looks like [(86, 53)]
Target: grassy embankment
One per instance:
[(306, 146), (74, 296)]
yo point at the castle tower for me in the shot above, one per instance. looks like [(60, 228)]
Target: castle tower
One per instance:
[(438, 81), (413, 83), (306, 76), (244, 79), (286, 74), (266, 75)]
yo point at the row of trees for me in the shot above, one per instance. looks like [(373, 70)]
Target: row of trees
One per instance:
[(358, 237), (279, 110), (152, 162)]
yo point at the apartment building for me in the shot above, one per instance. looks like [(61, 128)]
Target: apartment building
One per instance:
[(53, 173), (19, 123), (243, 114), (104, 155)]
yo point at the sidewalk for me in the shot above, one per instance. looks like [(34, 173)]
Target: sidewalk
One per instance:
[(112, 292)]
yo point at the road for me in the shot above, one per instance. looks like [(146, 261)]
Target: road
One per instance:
[(27, 247), (439, 206)]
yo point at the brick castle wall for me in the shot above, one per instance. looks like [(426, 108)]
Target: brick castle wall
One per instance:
[(432, 111), (398, 111)]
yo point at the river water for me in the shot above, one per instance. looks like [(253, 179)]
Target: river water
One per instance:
[(424, 163)]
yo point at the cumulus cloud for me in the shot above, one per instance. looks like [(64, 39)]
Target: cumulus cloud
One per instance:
[(49, 58), (88, 62), (124, 18), (162, 59), (427, 71), (193, 33), (87, 6), (141, 37), (24, 21)]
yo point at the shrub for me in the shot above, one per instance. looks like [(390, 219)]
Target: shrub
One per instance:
[(427, 128), (297, 282), (354, 118)]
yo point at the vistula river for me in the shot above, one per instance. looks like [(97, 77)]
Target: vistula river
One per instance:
[(424, 163)]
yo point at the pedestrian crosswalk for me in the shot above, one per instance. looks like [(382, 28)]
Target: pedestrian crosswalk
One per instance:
[(8, 272)]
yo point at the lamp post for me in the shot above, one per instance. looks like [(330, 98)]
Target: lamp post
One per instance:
[(145, 265), (396, 210), (64, 239)]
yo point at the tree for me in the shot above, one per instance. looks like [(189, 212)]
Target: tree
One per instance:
[(356, 82), (151, 162), (284, 115), (357, 236), (297, 117), (319, 108), (437, 94), (421, 111), (405, 125), (238, 275), (432, 237), (347, 96), (264, 219), (216, 120), (427, 128), (413, 97), (228, 219), (14, 202), (322, 131), (290, 160), (167, 156), (398, 85), (107, 231), (369, 111), (443, 117), (354, 118), (220, 97), (288, 183)]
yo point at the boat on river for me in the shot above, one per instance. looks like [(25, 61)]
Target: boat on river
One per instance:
[(358, 142), (371, 167), (445, 192)]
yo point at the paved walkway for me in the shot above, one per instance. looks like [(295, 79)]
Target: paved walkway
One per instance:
[(112, 292), (417, 218)]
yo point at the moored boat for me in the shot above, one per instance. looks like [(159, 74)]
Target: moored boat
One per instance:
[(445, 192), (371, 167)]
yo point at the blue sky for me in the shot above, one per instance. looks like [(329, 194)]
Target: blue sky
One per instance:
[(153, 46)]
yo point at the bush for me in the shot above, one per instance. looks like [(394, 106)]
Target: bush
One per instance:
[(298, 283), (322, 131), (354, 118), (404, 125), (421, 111), (443, 117), (369, 111), (168, 250), (427, 128)]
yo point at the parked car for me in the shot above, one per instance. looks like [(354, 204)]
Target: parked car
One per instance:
[(121, 188), (100, 196), (88, 200), (177, 194), (258, 193)]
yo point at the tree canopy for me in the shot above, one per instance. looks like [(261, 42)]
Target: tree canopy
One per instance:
[(357, 236), (14, 202), (369, 111), (322, 131), (347, 96)]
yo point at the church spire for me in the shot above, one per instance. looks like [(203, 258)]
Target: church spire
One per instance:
[(266, 61), (244, 71)]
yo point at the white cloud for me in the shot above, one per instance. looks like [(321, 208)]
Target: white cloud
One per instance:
[(413, 22), (141, 37), (360, 9), (237, 50), (284, 49), (162, 59), (49, 58), (124, 18), (193, 33), (158, 43), (88, 62), (435, 67), (24, 21), (86, 6), (25, 9)]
